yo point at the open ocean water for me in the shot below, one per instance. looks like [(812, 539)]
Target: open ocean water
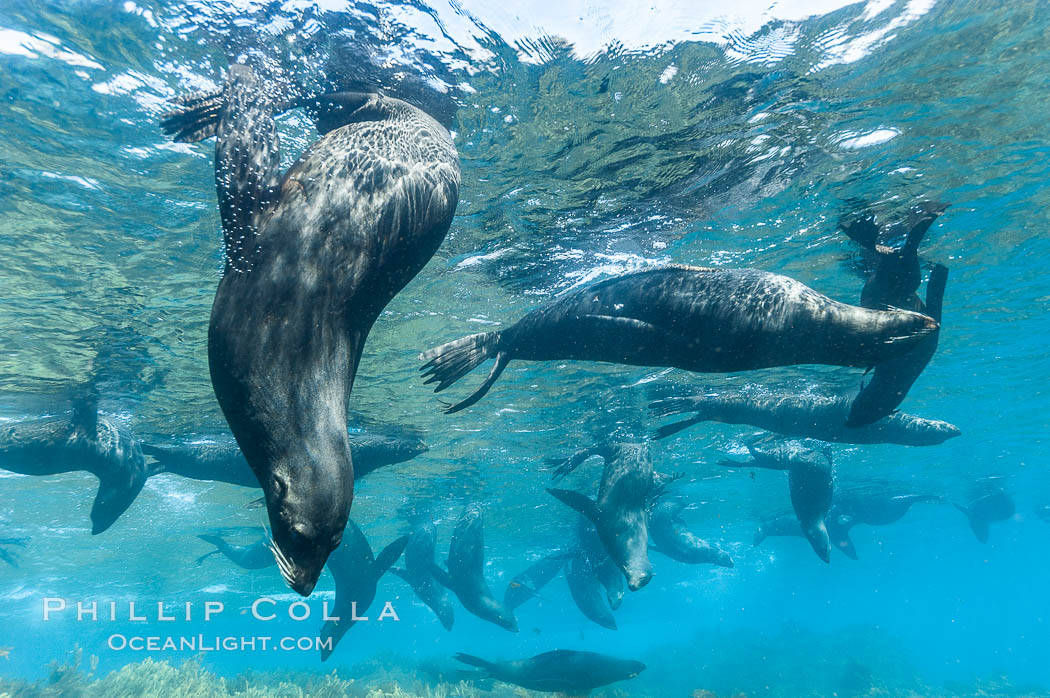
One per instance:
[(595, 139)]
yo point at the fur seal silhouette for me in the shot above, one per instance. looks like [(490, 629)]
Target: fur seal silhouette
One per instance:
[(811, 483), (311, 261), (802, 416), (527, 583), (668, 535), (356, 572), (418, 574), (465, 576), (619, 513), (256, 556), (560, 671), (84, 441), (987, 504), (893, 283), (703, 320)]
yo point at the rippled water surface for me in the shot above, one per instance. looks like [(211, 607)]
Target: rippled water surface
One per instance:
[(594, 139)]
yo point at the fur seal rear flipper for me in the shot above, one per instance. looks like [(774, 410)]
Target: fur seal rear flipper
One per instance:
[(84, 441), (619, 513), (803, 416), (356, 572), (465, 576), (811, 483), (703, 320), (311, 261), (419, 561), (668, 535), (561, 671), (256, 556)]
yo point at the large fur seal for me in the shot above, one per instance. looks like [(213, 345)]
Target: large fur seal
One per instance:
[(561, 671), (811, 484), (84, 441), (256, 556), (893, 282), (465, 576), (311, 260), (803, 416), (218, 458), (619, 513), (418, 574), (11, 557), (668, 535), (705, 320), (356, 572)]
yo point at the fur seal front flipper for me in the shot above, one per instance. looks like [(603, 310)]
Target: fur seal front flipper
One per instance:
[(702, 320), (311, 261), (356, 573), (465, 576)]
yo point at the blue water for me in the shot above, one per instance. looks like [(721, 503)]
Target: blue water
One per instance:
[(594, 139)]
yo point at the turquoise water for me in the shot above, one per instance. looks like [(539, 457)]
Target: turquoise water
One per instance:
[(594, 140)]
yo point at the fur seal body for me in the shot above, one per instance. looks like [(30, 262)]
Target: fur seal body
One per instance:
[(532, 579), (802, 416), (356, 572), (256, 556), (985, 507), (669, 535), (419, 563), (704, 320), (311, 261), (86, 441), (465, 576), (619, 513), (564, 671)]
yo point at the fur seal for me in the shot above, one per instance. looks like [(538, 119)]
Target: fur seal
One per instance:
[(581, 574), (532, 579), (256, 556), (802, 416), (985, 506), (465, 576), (419, 561), (11, 557), (879, 508), (218, 458), (619, 513), (85, 441), (311, 261), (703, 320), (787, 525), (356, 572), (811, 483), (565, 671), (893, 283), (668, 535)]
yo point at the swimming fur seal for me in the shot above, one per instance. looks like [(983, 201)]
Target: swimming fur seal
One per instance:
[(356, 572), (668, 535), (465, 576), (893, 283), (704, 320), (811, 484), (787, 525), (11, 557), (619, 513), (581, 574), (565, 671), (986, 506), (84, 441), (418, 574), (219, 459), (803, 416), (527, 583), (311, 260), (256, 556)]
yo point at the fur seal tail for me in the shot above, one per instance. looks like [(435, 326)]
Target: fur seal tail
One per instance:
[(448, 363)]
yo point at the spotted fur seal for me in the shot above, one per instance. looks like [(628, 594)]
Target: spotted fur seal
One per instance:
[(311, 260), (810, 483), (704, 320), (465, 576), (356, 572), (894, 280), (84, 441), (561, 671), (803, 416)]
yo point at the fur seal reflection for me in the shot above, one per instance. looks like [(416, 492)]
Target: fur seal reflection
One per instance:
[(356, 572), (561, 671), (803, 416), (311, 261), (703, 320), (465, 576)]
